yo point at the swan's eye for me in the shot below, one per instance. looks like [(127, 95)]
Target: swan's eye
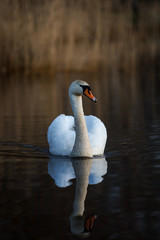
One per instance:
[(86, 88)]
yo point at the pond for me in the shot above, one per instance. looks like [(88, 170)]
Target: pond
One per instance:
[(118, 195)]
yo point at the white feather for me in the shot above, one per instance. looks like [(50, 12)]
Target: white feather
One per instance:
[(61, 135)]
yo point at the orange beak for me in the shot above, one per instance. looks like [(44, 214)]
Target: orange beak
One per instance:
[(89, 94)]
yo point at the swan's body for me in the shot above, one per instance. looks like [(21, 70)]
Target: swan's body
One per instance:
[(78, 136)]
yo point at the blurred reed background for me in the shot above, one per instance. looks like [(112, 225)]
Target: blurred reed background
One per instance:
[(45, 36)]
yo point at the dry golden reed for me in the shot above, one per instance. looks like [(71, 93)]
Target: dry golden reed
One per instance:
[(45, 36)]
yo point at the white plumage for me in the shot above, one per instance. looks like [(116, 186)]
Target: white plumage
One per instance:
[(61, 135)]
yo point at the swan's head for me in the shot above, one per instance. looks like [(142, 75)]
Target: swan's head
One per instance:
[(79, 88)]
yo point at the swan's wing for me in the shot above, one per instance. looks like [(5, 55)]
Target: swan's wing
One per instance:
[(61, 135), (97, 134)]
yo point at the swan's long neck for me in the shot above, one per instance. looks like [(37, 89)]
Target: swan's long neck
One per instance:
[(81, 146)]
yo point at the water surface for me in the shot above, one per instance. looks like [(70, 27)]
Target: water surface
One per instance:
[(38, 191)]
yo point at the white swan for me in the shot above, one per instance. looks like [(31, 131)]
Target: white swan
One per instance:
[(78, 136)]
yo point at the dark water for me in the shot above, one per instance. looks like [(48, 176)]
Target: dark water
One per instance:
[(37, 191)]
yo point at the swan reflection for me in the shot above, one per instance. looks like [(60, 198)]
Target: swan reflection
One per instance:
[(86, 171), (62, 171)]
